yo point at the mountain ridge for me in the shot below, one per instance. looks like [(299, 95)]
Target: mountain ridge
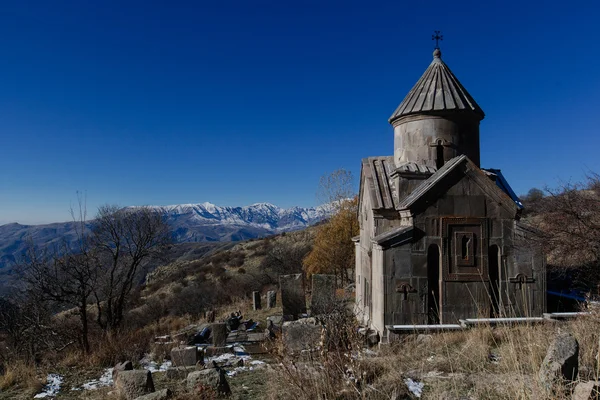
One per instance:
[(193, 222)]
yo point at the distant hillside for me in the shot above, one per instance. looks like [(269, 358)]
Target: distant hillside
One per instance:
[(203, 222)]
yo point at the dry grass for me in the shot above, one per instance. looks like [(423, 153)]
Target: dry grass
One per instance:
[(481, 363), (22, 377)]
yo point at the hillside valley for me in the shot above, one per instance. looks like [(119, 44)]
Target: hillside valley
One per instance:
[(190, 223)]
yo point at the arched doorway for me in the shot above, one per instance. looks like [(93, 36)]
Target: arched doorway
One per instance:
[(433, 284), (494, 271)]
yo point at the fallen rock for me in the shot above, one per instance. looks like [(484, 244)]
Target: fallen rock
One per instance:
[(178, 372), (164, 394), (186, 356), (133, 384), (586, 391), (424, 339), (212, 378), (276, 321), (303, 334), (561, 361), (124, 366), (373, 339)]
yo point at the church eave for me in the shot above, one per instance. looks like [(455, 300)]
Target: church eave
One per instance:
[(395, 237)]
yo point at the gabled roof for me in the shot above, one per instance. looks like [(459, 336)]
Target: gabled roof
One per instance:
[(429, 183), (378, 177), (478, 176), (438, 90), (376, 172)]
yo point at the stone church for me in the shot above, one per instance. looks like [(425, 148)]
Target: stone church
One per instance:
[(440, 238)]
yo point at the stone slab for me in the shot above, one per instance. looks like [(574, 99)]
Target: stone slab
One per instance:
[(186, 356), (256, 305), (271, 299), (293, 298), (219, 334), (323, 294)]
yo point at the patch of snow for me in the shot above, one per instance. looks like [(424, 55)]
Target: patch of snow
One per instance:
[(104, 380), (221, 358), (415, 388), (239, 353), (153, 366), (52, 387)]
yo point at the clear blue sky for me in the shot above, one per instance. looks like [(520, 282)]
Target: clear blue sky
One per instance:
[(236, 102)]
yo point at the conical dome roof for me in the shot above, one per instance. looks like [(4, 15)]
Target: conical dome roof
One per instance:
[(437, 91)]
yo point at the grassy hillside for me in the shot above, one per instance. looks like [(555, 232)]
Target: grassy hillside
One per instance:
[(487, 362)]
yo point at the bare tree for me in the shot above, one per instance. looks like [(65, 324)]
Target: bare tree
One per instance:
[(285, 255), (66, 274), (25, 323), (124, 240), (336, 188), (101, 266), (568, 220)]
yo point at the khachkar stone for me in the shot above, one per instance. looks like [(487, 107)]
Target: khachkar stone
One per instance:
[(219, 334), (292, 295), (256, 301), (271, 299), (323, 294)]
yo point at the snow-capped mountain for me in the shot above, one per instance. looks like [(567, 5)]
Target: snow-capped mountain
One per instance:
[(209, 222), (204, 222), (259, 215)]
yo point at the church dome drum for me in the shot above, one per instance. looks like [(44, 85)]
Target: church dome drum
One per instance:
[(437, 121)]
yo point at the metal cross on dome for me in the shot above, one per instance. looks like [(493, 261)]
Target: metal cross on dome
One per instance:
[(437, 37)]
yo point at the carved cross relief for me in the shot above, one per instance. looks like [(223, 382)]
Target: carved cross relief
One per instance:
[(405, 288), (521, 279)]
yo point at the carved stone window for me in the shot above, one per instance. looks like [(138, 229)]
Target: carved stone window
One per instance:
[(464, 249), (464, 243), (439, 154)]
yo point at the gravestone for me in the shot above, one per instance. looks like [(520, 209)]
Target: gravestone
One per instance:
[(210, 316), (323, 294), (256, 301), (219, 334), (271, 299), (292, 295)]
